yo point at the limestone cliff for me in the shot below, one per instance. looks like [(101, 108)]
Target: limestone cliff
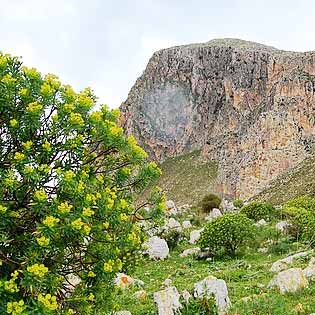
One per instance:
[(248, 106)]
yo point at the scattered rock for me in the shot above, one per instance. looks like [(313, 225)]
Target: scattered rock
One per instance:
[(282, 264), (186, 296), (171, 208), (217, 287), (195, 235), (261, 222), (291, 280), (309, 271), (263, 250), (186, 224), (167, 283), (122, 280), (167, 301), (227, 206), (157, 248), (282, 226), (190, 251), (173, 224), (122, 313), (141, 295), (215, 213)]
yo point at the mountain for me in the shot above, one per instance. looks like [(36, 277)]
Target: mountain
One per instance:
[(248, 107)]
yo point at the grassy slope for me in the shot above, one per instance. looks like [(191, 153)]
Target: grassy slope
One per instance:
[(187, 178), (297, 182), (244, 277)]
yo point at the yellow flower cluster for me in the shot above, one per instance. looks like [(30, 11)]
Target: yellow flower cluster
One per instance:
[(40, 195), (46, 90), (38, 270), (123, 217), (8, 79), (68, 175), (49, 301), (19, 157), (46, 146), (23, 92), (69, 107), (91, 274), (14, 123), (81, 186), (91, 297), (116, 131), (87, 212), (31, 73), (3, 209), (64, 208), (76, 119), (123, 204), (108, 266), (96, 116), (132, 142), (15, 308), (77, 224), (34, 107), (10, 285), (52, 80), (43, 241), (27, 145), (134, 238), (51, 221)]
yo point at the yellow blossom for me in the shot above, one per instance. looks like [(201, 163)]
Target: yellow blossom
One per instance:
[(90, 198), (123, 204), (34, 107), (100, 178), (46, 90), (23, 91), (87, 212), (86, 229), (3, 209), (27, 145), (69, 107), (8, 79), (77, 224), (106, 225), (48, 301), (19, 157), (91, 297), (68, 175), (15, 308), (76, 119), (46, 146), (81, 186), (51, 221), (91, 274), (14, 123), (108, 266), (43, 241), (32, 73), (110, 203), (64, 208), (40, 195), (116, 131), (96, 116), (123, 217), (38, 270)]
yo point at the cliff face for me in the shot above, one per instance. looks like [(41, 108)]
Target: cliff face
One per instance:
[(248, 106)]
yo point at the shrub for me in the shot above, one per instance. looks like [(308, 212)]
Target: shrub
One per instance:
[(228, 232), (238, 203), (172, 238), (210, 202), (68, 177), (259, 210), (305, 202), (200, 306)]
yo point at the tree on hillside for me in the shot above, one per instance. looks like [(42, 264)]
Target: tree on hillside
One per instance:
[(68, 177)]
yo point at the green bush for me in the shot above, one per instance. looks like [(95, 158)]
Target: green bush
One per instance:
[(238, 203), (259, 210), (68, 179), (228, 232), (210, 202), (305, 202), (200, 306)]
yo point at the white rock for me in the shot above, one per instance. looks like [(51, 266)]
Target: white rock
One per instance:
[(141, 295), (167, 301), (190, 251), (186, 296), (261, 222), (227, 206), (285, 262), (157, 248), (167, 283), (215, 213), (171, 208), (263, 250), (186, 224), (173, 224), (282, 226), (291, 280), (217, 287), (122, 313), (170, 204), (309, 271), (195, 235), (122, 280)]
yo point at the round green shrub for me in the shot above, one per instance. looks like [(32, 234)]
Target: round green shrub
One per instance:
[(259, 210), (305, 202), (238, 203), (228, 232), (210, 202)]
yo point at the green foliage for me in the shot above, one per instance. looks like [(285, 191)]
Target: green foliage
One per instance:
[(200, 306), (172, 237), (68, 177), (238, 203), (259, 210), (228, 232), (210, 202), (301, 212)]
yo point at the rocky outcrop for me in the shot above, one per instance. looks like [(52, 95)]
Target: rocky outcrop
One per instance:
[(249, 107)]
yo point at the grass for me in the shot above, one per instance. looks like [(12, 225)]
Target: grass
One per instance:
[(297, 182), (187, 178)]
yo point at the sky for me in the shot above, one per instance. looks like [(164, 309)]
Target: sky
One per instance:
[(106, 44)]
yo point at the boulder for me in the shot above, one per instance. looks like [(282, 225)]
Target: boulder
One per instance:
[(141, 295), (227, 206), (195, 235), (167, 301), (309, 271), (211, 286), (284, 263), (261, 222), (171, 208), (122, 280), (157, 248), (190, 251), (186, 296), (215, 213), (173, 224), (291, 280), (167, 283), (186, 224), (282, 226)]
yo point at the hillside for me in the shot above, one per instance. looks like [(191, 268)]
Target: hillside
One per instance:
[(248, 107)]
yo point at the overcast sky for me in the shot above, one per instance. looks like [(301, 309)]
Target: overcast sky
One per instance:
[(107, 44)]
